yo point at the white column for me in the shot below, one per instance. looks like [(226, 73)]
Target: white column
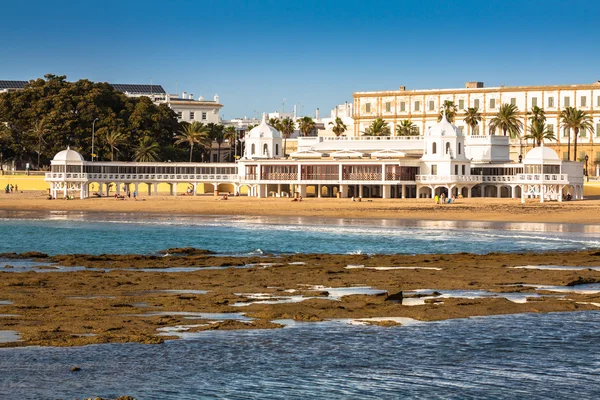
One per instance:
[(156, 189), (469, 189), (149, 186), (523, 193), (498, 191), (279, 190), (360, 190), (137, 189), (118, 187), (386, 191), (560, 193), (318, 187), (542, 192), (195, 186), (107, 189), (513, 192), (302, 190), (344, 190), (403, 191)]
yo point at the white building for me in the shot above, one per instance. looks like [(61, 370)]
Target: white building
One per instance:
[(444, 160)]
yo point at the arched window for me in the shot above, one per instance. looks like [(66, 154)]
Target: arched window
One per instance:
[(447, 147), (253, 149), (459, 145), (265, 150), (434, 148), (276, 149)]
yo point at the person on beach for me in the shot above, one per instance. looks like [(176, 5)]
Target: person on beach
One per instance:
[(17, 188), (436, 199), (135, 195)]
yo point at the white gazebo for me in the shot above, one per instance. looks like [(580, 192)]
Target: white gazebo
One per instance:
[(67, 174), (545, 176)]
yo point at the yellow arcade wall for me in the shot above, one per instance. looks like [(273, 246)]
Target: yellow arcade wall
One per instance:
[(37, 183)]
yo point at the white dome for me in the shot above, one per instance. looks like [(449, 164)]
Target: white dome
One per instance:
[(68, 155), (264, 130), (444, 128), (541, 155)]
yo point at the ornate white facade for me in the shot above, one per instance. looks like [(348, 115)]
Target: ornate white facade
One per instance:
[(444, 160)]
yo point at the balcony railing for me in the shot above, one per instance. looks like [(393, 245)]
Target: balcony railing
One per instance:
[(449, 178), (498, 178), (559, 178), (61, 176), (280, 176), (366, 176)]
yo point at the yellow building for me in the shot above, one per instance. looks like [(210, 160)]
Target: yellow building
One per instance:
[(422, 107)]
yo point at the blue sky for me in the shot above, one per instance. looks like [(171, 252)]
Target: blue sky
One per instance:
[(313, 53)]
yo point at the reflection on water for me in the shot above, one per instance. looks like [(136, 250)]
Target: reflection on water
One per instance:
[(528, 356)]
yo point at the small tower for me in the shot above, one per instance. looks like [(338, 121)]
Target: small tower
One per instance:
[(444, 152), (263, 141)]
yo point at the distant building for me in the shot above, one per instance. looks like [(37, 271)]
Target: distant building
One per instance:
[(423, 106), (185, 106), (11, 86)]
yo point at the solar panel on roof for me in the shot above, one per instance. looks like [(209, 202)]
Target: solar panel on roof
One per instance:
[(138, 89), (12, 84)]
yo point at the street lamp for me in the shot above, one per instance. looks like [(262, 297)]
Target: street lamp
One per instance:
[(586, 168), (93, 130)]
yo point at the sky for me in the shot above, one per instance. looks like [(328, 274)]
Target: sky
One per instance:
[(314, 54)]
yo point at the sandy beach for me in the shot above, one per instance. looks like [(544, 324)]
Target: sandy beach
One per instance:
[(474, 209)]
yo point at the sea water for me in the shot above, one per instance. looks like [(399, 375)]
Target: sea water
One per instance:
[(512, 356), (95, 233), (532, 356)]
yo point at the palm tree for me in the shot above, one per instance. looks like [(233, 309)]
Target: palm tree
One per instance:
[(574, 119), (288, 126), (449, 108), (217, 133), (537, 114), (538, 132), (232, 137), (39, 132), (472, 118), (194, 133), (275, 123), (338, 128), (406, 128), (114, 139), (147, 150), (378, 128), (507, 120), (306, 125)]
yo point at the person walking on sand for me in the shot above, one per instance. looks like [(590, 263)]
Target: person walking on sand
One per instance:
[(17, 188), (436, 199)]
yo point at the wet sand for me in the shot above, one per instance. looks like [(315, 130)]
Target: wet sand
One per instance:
[(128, 305), (474, 209)]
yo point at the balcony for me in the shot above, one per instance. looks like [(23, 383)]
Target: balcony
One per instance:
[(543, 178), (498, 178), (62, 176), (447, 179)]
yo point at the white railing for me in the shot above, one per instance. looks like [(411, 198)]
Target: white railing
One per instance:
[(61, 176), (448, 178), (543, 177), (499, 178)]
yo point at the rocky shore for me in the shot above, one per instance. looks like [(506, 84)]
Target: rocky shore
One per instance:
[(139, 298)]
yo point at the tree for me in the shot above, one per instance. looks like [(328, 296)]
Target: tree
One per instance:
[(232, 137), (450, 109), (507, 120), (538, 132), (338, 128), (288, 126), (216, 133), (306, 125), (113, 140), (147, 150), (275, 123), (378, 128), (537, 114), (472, 118), (39, 131), (575, 120), (191, 134), (406, 128)]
